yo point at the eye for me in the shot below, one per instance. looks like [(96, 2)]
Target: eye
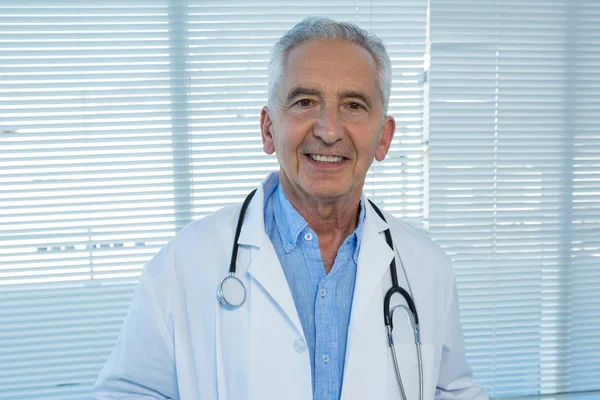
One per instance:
[(355, 106), (304, 103)]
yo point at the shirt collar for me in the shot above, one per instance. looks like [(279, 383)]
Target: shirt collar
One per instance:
[(269, 185), (291, 223)]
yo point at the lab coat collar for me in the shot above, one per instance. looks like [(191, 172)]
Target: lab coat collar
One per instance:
[(253, 229)]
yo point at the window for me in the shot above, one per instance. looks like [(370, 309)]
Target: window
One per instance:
[(514, 185), (121, 121)]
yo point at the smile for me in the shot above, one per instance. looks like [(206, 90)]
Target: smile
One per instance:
[(325, 159)]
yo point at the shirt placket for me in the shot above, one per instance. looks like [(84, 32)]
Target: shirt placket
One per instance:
[(326, 345), (327, 380)]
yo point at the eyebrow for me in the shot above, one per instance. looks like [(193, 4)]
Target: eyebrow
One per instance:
[(303, 91)]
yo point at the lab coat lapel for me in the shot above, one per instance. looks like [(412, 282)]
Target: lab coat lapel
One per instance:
[(367, 373), (373, 262), (264, 267), (275, 365), (279, 360)]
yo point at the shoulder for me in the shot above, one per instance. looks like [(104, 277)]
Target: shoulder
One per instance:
[(209, 228), (430, 275), (426, 254), (184, 274), (415, 235), (205, 238)]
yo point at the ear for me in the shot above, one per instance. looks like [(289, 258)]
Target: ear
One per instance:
[(266, 125), (385, 141)]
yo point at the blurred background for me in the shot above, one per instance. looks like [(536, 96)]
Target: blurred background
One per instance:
[(123, 120)]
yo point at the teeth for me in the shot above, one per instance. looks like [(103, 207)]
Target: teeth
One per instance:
[(327, 159)]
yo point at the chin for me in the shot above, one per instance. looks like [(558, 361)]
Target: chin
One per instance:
[(327, 190)]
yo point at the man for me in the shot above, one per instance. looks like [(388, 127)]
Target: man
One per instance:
[(312, 258)]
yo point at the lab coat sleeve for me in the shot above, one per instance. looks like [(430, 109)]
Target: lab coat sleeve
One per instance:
[(142, 364), (455, 380)]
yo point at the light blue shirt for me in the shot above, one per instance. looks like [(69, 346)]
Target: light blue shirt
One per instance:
[(323, 301)]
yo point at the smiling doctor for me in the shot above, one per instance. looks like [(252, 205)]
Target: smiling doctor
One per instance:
[(316, 276)]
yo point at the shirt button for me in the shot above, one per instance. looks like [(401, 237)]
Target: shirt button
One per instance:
[(322, 292), (290, 246), (299, 346), (308, 236), (325, 358)]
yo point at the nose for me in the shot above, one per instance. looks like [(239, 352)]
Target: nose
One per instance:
[(328, 127)]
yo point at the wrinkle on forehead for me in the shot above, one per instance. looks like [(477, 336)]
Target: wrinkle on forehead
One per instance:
[(322, 47)]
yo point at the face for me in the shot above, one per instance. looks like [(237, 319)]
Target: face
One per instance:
[(328, 124)]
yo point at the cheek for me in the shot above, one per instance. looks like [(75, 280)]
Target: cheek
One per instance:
[(365, 143), (290, 138)]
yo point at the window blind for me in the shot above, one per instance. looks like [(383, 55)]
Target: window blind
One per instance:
[(120, 122), (584, 272), (514, 186)]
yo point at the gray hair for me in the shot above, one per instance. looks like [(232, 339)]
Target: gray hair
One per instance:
[(323, 28)]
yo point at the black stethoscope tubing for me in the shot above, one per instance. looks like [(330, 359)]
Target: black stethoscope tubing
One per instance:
[(396, 288), (238, 230), (240, 291)]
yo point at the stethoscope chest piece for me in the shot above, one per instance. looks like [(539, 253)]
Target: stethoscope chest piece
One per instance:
[(231, 292)]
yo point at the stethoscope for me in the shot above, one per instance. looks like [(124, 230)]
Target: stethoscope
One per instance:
[(232, 294)]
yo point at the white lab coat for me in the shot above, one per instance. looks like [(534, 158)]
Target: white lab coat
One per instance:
[(178, 342)]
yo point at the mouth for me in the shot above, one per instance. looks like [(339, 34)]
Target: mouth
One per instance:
[(326, 159)]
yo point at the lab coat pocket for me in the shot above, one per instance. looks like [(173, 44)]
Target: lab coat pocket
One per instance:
[(407, 356)]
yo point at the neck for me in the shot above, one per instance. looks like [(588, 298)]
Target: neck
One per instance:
[(333, 221), (326, 217)]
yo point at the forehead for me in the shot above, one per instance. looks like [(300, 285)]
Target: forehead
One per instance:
[(328, 63)]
